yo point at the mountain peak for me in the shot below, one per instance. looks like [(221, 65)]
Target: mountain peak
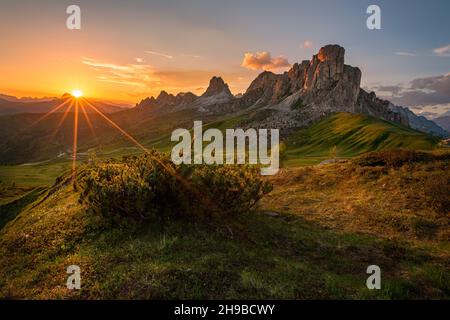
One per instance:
[(331, 52), (217, 86)]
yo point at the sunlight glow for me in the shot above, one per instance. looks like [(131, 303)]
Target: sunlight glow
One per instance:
[(77, 93), (78, 103)]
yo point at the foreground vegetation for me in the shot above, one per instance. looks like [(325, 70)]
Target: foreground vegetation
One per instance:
[(312, 237)]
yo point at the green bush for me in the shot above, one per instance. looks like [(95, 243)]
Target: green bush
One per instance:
[(150, 186)]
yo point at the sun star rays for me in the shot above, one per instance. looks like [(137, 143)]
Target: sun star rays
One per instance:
[(81, 103)]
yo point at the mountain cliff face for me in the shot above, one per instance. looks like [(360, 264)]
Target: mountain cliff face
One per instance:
[(369, 104), (306, 93)]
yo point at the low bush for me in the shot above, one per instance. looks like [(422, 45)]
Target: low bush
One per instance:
[(150, 186), (390, 158), (437, 191)]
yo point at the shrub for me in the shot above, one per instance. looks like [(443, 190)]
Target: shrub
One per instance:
[(150, 186), (437, 191), (391, 158), (424, 228)]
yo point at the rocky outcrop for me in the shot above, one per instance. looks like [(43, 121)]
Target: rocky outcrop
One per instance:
[(167, 101), (325, 83), (217, 87), (217, 94), (421, 123), (308, 91), (443, 122), (369, 104)]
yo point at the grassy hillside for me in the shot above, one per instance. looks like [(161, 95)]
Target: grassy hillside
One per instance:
[(352, 134), (312, 237)]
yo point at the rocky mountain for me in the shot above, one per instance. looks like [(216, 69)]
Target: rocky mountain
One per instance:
[(217, 87), (369, 104), (24, 99), (306, 93), (218, 93), (443, 122)]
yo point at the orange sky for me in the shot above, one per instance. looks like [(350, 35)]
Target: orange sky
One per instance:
[(44, 58), (128, 50)]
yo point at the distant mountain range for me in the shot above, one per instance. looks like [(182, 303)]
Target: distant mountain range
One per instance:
[(14, 105), (444, 121)]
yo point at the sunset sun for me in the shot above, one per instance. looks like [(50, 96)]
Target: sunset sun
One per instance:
[(77, 93)]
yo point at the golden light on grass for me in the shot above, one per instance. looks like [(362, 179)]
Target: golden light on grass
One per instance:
[(77, 93)]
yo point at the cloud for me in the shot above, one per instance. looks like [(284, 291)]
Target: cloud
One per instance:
[(428, 91), (159, 54), (307, 44), (439, 84), (443, 51), (264, 61), (136, 75), (144, 80), (405, 54), (99, 64), (393, 90), (428, 114), (417, 98)]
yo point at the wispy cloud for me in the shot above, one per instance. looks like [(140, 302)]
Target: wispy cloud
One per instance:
[(159, 54), (99, 64), (405, 54), (264, 61), (138, 75), (443, 51), (191, 56)]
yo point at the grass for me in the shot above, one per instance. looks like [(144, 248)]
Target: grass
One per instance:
[(8, 211), (327, 224), (352, 135), (311, 238)]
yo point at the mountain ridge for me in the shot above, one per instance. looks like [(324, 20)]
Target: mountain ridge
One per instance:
[(306, 93), (19, 106)]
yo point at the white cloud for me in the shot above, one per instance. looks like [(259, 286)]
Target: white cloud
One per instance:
[(405, 54), (138, 75), (160, 54), (443, 51)]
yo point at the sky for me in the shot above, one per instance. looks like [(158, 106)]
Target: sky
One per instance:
[(128, 50)]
